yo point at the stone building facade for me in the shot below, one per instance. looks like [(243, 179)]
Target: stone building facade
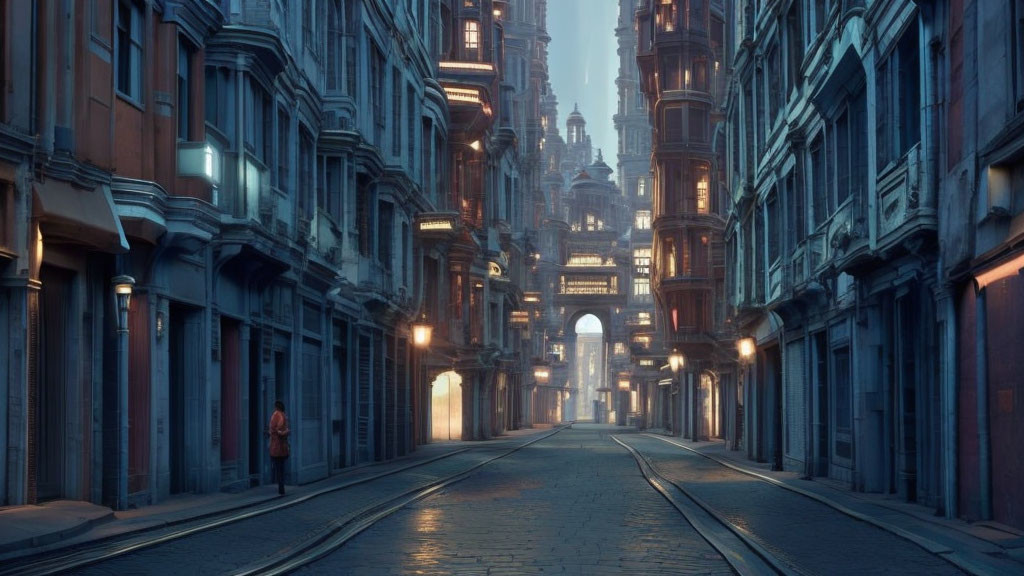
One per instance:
[(833, 242), (286, 183), (873, 245)]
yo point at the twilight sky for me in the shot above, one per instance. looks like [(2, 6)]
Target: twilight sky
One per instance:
[(583, 64)]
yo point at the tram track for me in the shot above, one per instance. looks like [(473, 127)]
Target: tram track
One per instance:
[(772, 521), (335, 536), (734, 543), (119, 547)]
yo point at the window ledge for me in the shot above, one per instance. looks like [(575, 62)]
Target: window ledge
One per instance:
[(129, 100)]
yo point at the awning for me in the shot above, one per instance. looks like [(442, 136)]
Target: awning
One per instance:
[(79, 215)]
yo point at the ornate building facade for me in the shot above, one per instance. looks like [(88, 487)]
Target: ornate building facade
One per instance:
[(632, 122), (873, 245), (289, 185), (680, 54), (834, 231)]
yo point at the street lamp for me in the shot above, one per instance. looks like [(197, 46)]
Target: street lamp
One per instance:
[(623, 399), (676, 360), (746, 347), (422, 331), (122, 299)]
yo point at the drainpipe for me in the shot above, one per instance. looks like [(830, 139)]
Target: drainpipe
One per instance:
[(984, 439)]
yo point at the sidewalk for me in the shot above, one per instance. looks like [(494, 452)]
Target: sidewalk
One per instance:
[(30, 530), (979, 548)]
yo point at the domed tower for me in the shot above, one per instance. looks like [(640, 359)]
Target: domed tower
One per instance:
[(577, 139)]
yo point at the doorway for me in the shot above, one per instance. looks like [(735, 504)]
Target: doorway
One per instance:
[(446, 407), (184, 374), (593, 396), (906, 366), (822, 412), (52, 385), (257, 437)]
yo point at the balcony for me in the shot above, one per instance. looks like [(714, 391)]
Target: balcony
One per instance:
[(436, 226), (847, 232), (683, 283), (901, 209)]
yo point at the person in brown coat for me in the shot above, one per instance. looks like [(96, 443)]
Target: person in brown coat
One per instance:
[(279, 448)]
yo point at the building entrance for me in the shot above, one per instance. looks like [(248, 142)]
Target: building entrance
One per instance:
[(446, 407), (50, 428)]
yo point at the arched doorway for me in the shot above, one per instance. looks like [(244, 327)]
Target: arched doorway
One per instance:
[(592, 398), (446, 407)]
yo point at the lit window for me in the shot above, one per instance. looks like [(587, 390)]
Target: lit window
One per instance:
[(585, 260), (642, 262), (643, 219), (641, 286), (472, 33), (558, 350), (702, 194), (620, 348), (667, 15), (641, 187), (643, 318)]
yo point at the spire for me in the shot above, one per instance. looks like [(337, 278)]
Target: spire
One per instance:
[(600, 158)]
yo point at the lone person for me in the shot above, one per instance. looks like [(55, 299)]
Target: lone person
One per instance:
[(279, 448)]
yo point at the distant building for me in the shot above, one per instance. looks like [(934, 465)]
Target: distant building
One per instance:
[(636, 181)]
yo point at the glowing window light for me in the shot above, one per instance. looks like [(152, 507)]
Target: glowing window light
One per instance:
[(702, 194), (1000, 272), (477, 66), (472, 34)]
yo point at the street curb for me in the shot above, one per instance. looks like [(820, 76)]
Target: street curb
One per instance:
[(158, 524), (55, 537), (942, 551)]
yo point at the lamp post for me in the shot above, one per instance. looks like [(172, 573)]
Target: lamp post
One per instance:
[(623, 399), (422, 332), (676, 361), (541, 374), (122, 300), (746, 349)]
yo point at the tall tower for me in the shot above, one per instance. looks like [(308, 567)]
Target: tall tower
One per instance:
[(634, 171), (679, 76), (577, 139)]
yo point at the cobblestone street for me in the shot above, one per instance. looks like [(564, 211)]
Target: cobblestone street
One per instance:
[(585, 499), (573, 504)]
